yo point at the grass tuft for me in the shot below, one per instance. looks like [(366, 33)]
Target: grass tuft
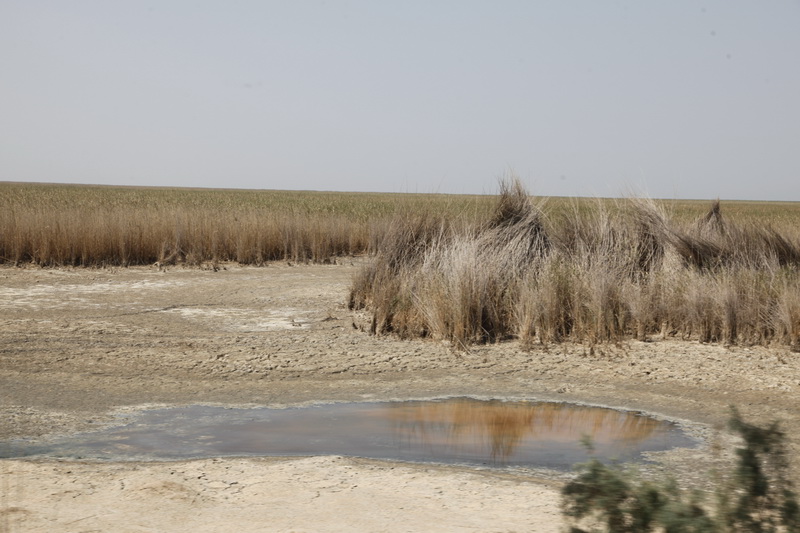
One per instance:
[(590, 272)]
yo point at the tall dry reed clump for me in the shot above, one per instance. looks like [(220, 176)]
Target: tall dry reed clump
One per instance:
[(589, 274)]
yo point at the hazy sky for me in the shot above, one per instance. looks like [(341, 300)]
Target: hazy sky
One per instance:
[(670, 99)]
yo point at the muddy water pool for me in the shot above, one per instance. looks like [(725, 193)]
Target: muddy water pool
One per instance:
[(452, 431)]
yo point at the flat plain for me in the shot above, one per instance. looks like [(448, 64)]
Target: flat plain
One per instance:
[(82, 346)]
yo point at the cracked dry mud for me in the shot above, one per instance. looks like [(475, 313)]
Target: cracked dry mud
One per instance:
[(78, 345)]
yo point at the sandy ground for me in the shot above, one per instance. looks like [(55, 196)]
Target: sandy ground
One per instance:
[(77, 345)]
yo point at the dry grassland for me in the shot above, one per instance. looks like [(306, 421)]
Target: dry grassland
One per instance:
[(591, 272), (95, 226), (463, 268)]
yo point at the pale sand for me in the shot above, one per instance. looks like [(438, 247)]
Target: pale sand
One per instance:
[(249, 495), (78, 345)]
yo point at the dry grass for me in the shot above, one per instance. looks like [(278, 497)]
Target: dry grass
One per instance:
[(590, 272), (63, 225), (463, 268), (72, 225)]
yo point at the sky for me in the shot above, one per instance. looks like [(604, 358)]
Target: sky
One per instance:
[(664, 99)]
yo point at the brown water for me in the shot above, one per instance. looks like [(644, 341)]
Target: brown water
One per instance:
[(455, 430)]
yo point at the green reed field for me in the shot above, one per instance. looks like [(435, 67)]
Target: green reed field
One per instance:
[(463, 268)]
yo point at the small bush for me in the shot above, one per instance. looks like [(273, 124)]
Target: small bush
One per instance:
[(756, 497)]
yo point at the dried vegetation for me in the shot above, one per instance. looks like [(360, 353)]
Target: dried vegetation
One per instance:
[(464, 269), (94, 226), (587, 272)]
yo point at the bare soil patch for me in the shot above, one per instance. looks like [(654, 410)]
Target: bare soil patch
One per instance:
[(78, 345)]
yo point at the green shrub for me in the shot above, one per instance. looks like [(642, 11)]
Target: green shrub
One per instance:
[(756, 497)]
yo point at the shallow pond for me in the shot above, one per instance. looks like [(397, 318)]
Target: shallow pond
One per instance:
[(453, 430)]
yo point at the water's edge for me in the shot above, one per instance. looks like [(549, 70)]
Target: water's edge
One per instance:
[(481, 432)]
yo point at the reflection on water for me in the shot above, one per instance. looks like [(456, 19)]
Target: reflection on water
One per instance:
[(456, 430), (500, 429)]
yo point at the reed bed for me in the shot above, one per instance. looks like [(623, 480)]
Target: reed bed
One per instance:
[(589, 272), (95, 226), (463, 268)]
